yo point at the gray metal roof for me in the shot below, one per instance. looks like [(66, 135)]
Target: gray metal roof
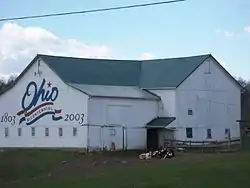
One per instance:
[(94, 71), (115, 91), (145, 74), (160, 122), (168, 72)]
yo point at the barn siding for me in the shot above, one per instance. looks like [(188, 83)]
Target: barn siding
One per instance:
[(214, 99), (69, 100), (133, 114)]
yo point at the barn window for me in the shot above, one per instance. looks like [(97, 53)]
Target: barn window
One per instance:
[(227, 133), (6, 132), (190, 112), (208, 67), (209, 133), (19, 131), (60, 131), (74, 131), (46, 131), (112, 132), (33, 131), (189, 132)]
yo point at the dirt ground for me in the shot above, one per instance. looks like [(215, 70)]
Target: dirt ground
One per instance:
[(92, 163)]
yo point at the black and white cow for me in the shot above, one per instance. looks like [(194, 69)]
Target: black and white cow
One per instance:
[(164, 153)]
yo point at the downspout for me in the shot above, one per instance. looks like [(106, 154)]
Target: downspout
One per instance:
[(88, 137)]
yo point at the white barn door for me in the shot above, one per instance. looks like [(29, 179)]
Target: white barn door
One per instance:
[(115, 132)]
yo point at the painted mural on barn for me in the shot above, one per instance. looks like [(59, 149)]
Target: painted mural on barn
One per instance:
[(38, 101)]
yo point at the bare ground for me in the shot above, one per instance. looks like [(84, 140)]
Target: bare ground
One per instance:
[(93, 163)]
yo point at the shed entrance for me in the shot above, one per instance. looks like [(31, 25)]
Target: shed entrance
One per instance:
[(152, 139), (157, 132)]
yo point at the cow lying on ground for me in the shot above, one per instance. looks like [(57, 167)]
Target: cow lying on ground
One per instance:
[(145, 156), (163, 153)]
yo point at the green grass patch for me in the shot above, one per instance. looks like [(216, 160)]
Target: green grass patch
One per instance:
[(16, 164), (187, 171)]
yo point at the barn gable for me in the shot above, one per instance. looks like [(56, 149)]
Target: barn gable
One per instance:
[(88, 78), (150, 74), (172, 72), (169, 73)]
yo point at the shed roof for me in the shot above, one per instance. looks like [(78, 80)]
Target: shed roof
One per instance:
[(160, 122), (132, 92)]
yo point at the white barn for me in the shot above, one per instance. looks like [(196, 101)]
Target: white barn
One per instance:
[(90, 103)]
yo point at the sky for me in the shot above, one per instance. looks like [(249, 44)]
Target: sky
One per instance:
[(193, 27)]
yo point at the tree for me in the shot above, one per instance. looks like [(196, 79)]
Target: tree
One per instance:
[(6, 84), (2, 84), (244, 83)]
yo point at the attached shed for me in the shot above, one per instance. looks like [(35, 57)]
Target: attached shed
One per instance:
[(117, 114), (158, 131)]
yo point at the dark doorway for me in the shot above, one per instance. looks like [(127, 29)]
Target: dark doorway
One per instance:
[(152, 139)]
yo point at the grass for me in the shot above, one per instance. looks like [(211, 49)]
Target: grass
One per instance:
[(25, 163), (187, 171)]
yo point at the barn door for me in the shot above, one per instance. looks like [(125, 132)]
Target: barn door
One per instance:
[(152, 139), (114, 134), (115, 119)]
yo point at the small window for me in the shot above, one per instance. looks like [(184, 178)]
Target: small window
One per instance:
[(46, 131), (6, 132), (208, 68), (227, 133), (60, 132), (189, 132), (190, 112), (209, 133), (112, 132), (33, 131), (19, 131), (74, 131)]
